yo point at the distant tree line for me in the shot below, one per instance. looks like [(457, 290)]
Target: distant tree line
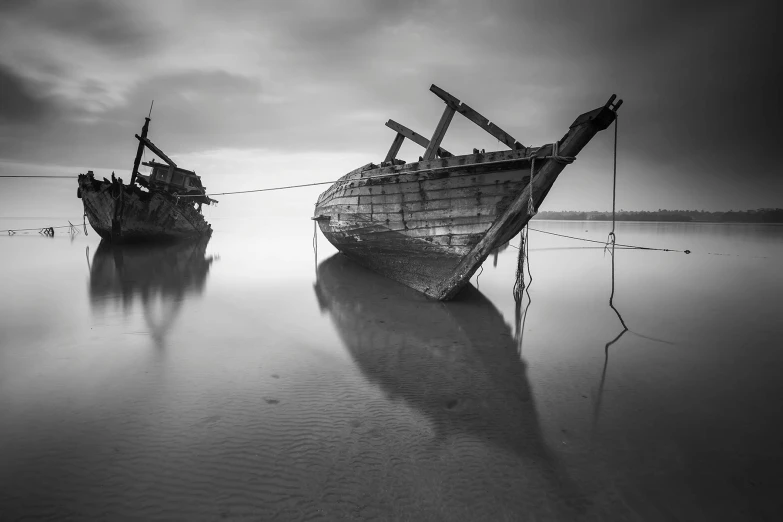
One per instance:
[(762, 215)]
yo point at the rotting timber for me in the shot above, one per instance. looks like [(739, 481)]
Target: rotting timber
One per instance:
[(430, 224), (164, 206)]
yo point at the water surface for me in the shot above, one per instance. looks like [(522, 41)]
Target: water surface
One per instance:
[(251, 378)]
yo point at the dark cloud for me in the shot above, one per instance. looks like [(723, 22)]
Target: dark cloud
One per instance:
[(22, 104), (110, 25), (700, 79)]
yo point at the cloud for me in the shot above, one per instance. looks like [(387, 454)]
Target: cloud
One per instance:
[(310, 76), (21, 103)]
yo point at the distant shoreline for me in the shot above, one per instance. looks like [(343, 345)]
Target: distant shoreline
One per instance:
[(764, 215)]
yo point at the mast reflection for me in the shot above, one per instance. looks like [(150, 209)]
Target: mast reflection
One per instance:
[(162, 276)]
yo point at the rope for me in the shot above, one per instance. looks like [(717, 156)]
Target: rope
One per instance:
[(635, 247), (257, 190), (611, 238), (524, 238), (554, 156), (44, 230), (566, 160), (315, 246), (36, 176), (531, 208), (524, 250), (12, 231)]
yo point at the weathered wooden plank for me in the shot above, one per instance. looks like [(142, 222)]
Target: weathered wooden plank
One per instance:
[(479, 203), (139, 152), (414, 184), (156, 150), (439, 134), (385, 182), (445, 233), (415, 137), (465, 213), (477, 118), (438, 189), (395, 147)]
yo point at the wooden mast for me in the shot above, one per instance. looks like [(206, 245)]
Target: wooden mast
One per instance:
[(140, 150)]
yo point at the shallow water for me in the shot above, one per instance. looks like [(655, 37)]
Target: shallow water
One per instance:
[(251, 378)]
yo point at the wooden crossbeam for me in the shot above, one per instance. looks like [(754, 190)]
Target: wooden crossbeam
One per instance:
[(440, 133), (156, 150), (395, 147), (415, 138), (477, 118)]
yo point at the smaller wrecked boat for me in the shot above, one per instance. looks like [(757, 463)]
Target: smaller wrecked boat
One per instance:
[(163, 206)]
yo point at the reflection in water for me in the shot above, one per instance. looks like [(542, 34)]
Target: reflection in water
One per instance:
[(625, 329), (455, 362), (161, 275), (496, 252)]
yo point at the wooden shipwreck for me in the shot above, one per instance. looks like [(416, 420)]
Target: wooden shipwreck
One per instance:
[(430, 224), (164, 206)]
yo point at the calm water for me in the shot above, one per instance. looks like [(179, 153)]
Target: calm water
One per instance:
[(248, 379)]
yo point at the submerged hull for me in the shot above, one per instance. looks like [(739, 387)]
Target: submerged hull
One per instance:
[(125, 214), (430, 224)]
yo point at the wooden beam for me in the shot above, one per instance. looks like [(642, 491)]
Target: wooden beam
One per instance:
[(395, 147), (440, 132), (477, 118), (515, 216), (415, 138), (139, 152), (156, 150)]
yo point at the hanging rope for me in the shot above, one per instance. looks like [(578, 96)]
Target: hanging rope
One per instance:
[(519, 283), (612, 238), (315, 246), (50, 230), (531, 208), (481, 271)]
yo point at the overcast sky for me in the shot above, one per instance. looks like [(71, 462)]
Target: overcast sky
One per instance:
[(254, 94)]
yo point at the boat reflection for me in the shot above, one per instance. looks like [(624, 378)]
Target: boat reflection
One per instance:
[(456, 362), (162, 276)]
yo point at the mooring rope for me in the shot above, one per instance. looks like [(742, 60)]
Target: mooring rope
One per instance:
[(612, 238), (519, 282), (315, 246), (37, 176), (635, 247), (524, 246), (48, 231)]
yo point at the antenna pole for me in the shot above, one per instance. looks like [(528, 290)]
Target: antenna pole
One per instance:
[(151, 104)]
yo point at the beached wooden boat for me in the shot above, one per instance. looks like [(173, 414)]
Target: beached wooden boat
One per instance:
[(164, 206), (430, 224)]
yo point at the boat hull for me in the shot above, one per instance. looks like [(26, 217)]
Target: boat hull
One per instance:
[(430, 224), (415, 227), (122, 214)]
